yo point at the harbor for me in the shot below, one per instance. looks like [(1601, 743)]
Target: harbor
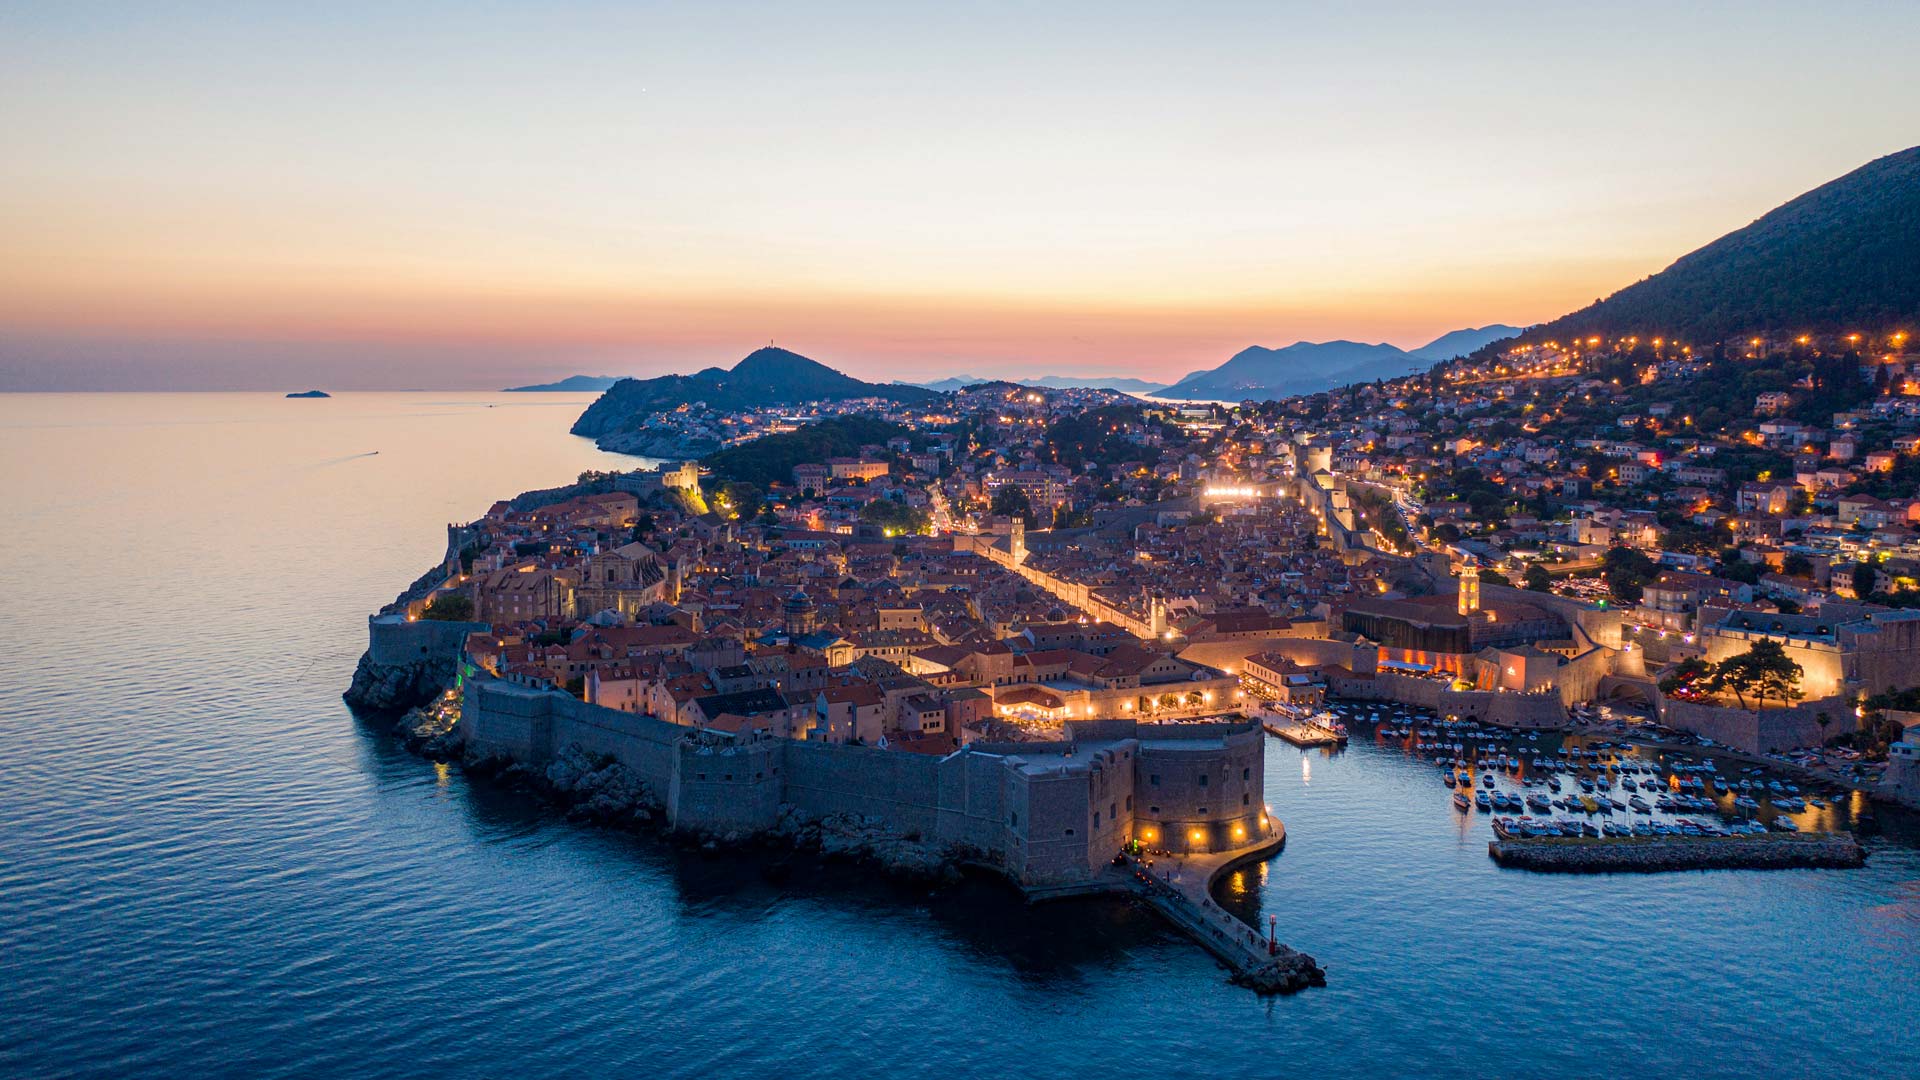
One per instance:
[(1568, 801)]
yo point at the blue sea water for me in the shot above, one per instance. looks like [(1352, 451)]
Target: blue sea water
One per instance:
[(208, 867)]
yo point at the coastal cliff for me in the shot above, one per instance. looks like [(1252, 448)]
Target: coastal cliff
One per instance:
[(396, 687)]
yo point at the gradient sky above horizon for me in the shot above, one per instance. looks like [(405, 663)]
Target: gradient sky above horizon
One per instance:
[(353, 196)]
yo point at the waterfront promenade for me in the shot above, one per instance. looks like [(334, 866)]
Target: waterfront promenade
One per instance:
[(1301, 733)]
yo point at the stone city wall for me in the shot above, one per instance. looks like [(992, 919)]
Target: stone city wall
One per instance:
[(1761, 731), (1507, 709), (1003, 804), (898, 788), (1314, 652), (1070, 593), (395, 640)]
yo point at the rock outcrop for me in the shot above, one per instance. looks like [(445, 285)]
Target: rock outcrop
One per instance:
[(433, 730), (595, 787), (398, 687), (851, 837), (1290, 971)]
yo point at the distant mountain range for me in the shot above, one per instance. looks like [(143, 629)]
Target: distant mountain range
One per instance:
[(572, 383), (765, 377), (1843, 257), (1306, 367), (1055, 382), (1461, 343), (949, 385)]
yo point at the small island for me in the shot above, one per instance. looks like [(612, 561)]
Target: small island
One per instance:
[(310, 394)]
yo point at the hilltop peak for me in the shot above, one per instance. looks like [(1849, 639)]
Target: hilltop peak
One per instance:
[(771, 357), (765, 376)]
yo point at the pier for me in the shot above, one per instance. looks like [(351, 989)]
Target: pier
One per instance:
[(1180, 888), (1302, 733)]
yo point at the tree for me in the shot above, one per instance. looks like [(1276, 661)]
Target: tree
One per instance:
[(894, 518), (1537, 578), (1010, 501), (1796, 565), (1627, 572), (1687, 679), (739, 500), (449, 607), (1765, 671)]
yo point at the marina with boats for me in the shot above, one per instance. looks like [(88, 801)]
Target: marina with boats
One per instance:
[(1568, 801)]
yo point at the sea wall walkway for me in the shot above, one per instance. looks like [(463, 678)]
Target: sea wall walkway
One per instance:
[(1180, 888)]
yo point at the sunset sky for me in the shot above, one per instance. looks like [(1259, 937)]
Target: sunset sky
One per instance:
[(202, 196)]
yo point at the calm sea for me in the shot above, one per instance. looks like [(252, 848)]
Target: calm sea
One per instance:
[(209, 868)]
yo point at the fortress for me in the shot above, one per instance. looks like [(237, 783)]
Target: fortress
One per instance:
[(1051, 816)]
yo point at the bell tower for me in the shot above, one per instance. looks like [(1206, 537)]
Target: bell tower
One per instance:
[(1470, 589)]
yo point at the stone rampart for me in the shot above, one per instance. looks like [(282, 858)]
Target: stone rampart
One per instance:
[(395, 639), (1760, 731), (1505, 708), (1048, 814)]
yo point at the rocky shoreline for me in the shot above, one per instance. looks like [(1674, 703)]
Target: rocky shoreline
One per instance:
[(391, 688), (1569, 856), (656, 444)]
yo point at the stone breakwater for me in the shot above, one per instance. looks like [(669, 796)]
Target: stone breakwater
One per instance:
[(1641, 855), (1181, 890)]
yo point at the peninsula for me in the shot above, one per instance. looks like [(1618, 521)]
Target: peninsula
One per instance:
[(570, 384), (1043, 631)]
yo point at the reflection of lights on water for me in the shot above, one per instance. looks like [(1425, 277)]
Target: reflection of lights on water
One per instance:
[(1306, 769)]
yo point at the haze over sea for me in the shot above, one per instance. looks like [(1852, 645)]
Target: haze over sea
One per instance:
[(209, 867)]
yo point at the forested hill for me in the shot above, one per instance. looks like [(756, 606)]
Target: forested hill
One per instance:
[(765, 377), (770, 459), (1844, 257)]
